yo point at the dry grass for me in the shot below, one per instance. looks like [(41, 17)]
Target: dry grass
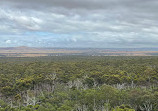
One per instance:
[(35, 52)]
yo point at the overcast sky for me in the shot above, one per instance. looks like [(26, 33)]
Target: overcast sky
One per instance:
[(79, 23)]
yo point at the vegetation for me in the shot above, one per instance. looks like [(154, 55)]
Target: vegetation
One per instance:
[(79, 83)]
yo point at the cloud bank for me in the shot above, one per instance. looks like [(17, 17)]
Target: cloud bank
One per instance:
[(79, 23)]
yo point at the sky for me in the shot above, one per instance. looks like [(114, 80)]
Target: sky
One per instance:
[(79, 23)]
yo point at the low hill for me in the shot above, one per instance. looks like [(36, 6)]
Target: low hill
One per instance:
[(24, 51)]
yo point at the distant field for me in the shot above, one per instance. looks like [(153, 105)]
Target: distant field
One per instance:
[(36, 52)]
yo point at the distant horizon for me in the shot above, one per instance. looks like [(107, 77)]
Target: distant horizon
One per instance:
[(85, 47)]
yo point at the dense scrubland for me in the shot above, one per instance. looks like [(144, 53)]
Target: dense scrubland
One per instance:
[(79, 83)]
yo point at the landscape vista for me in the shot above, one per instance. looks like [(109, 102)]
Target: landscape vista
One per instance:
[(78, 55)]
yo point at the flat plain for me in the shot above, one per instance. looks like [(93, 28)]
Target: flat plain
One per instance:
[(36, 52)]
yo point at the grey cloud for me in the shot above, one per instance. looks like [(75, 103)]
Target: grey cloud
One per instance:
[(91, 22), (87, 4)]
